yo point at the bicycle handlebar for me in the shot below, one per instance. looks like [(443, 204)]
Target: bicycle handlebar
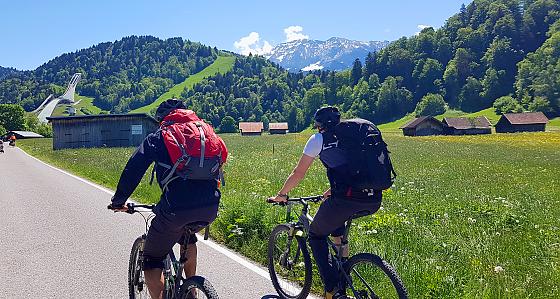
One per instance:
[(131, 207), (302, 200)]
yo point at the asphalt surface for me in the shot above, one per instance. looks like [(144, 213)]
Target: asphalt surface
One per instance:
[(58, 240)]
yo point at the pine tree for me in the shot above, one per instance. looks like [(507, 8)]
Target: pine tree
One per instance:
[(356, 74)]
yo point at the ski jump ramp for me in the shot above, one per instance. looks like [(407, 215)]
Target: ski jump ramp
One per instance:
[(50, 104)]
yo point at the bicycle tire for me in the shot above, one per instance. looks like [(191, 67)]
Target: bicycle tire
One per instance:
[(200, 283), (135, 272), (301, 248), (387, 269)]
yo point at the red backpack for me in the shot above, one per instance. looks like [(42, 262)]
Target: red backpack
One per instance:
[(196, 152)]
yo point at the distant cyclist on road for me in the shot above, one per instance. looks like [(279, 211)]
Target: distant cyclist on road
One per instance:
[(189, 157), (12, 140), (342, 199)]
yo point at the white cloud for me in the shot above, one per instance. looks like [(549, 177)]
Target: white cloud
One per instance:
[(294, 33), (422, 27), (252, 44)]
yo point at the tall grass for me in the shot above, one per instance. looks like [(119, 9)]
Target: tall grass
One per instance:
[(468, 217)]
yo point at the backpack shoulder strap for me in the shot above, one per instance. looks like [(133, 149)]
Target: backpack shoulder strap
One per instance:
[(202, 143)]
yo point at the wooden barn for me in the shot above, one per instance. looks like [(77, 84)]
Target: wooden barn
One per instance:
[(251, 128), (467, 126), (278, 128), (521, 122), (110, 130), (423, 126)]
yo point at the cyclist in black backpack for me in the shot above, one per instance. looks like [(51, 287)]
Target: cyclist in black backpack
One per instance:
[(346, 195)]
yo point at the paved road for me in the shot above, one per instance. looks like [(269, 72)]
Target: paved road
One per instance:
[(58, 240)]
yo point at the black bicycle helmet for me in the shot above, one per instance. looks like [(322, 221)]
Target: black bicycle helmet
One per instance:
[(327, 117), (167, 106)]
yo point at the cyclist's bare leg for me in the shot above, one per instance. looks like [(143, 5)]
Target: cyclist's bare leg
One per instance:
[(190, 265), (154, 280)]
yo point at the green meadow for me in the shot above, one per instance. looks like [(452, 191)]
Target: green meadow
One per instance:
[(468, 217)]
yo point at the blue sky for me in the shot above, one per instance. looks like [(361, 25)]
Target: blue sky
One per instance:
[(33, 32)]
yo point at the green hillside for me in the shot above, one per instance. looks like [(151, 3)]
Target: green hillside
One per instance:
[(120, 75), (222, 65), (84, 106)]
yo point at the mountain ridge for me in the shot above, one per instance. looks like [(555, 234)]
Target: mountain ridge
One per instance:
[(335, 53)]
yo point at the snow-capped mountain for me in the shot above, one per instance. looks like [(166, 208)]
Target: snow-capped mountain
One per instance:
[(333, 54)]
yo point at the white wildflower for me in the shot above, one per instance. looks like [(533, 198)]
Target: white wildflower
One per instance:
[(498, 269)]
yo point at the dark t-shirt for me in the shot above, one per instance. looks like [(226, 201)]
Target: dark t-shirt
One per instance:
[(181, 194)]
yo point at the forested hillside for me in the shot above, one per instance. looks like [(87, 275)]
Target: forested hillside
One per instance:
[(470, 62), (8, 71), (120, 75)]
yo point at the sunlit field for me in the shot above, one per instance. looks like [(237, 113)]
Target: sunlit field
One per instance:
[(468, 217)]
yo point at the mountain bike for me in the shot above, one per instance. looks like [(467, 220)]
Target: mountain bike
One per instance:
[(364, 275), (176, 286)]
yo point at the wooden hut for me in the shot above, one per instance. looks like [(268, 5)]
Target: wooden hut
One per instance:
[(22, 135), (521, 122), (423, 126), (111, 130), (251, 128), (467, 126), (278, 128)]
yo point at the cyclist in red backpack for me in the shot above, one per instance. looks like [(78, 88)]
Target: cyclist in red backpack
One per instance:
[(189, 157)]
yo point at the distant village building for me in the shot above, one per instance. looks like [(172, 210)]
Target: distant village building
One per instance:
[(423, 126), (521, 122), (467, 126), (251, 128), (278, 128), (110, 130), (21, 135)]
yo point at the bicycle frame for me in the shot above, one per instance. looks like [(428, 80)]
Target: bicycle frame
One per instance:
[(171, 264), (303, 225)]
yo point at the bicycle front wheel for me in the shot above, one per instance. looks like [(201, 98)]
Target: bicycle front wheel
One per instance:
[(137, 288), (373, 278), (199, 288), (289, 263)]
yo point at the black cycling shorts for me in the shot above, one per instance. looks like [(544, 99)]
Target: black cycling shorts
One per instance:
[(167, 229)]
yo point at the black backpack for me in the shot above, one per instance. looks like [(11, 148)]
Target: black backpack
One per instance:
[(368, 163)]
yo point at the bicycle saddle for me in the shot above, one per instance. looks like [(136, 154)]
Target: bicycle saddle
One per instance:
[(196, 226)]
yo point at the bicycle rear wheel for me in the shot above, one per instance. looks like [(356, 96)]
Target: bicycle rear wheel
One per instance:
[(373, 278), (289, 260), (137, 288), (197, 287)]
